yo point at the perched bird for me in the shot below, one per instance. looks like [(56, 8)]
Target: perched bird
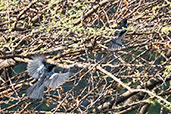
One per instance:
[(39, 69), (120, 32)]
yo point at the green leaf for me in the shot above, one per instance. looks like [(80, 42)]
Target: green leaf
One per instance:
[(154, 9), (48, 112), (165, 30)]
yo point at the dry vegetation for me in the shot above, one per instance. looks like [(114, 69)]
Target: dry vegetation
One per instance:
[(73, 34)]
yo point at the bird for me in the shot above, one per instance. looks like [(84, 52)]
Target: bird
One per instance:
[(119, 34), (38, 68)]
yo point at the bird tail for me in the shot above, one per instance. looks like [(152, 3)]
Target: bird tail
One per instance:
[(36, 91)]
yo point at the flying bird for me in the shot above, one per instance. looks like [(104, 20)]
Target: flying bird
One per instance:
[(39, 69), (120, 32)]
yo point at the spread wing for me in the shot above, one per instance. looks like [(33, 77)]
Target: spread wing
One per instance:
[(36, 66), (57, 79)]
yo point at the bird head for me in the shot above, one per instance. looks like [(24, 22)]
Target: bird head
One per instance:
[(50, 67), (123, 23)]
